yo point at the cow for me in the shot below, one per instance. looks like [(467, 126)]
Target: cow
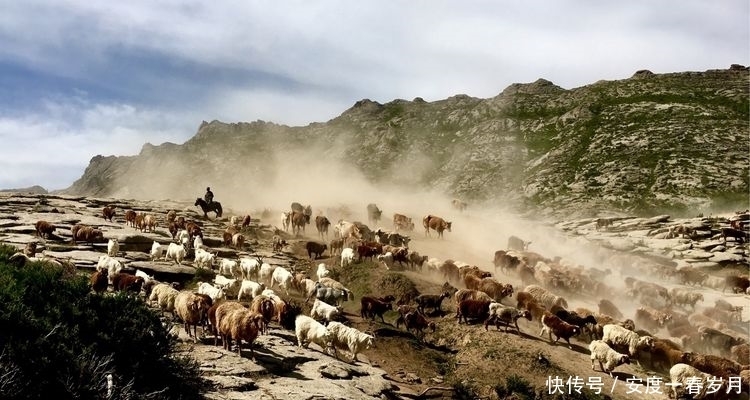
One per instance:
[(322, 223), (436, 223), (402, 222), (516, 243), (298, 222), (373, 213)]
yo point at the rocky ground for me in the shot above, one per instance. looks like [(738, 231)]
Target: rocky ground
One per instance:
[(400, 366)]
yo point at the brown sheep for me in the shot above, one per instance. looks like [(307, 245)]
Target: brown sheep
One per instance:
[(217, 312), (450, 271), (171, 215), (139, 222), (108, 212), (495, 289), (315, 249), (228, 234), (126, 282), (711, 364), (30, 249), (238, 240), (551, 323), (99, 281), (149, 222), (372, 307), (418, 323), (246, 221), (130, 218), (173, 229), (472, 282), (467, 294), (740, 353), (607, 307), (86, 233), (191, 309), (475, 309), (266, 307), (665, 354), (239, 325), (44, 229)]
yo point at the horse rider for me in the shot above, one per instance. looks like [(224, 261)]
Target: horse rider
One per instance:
[(209, 196)]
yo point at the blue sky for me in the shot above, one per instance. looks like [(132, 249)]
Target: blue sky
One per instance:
[(81, 78)]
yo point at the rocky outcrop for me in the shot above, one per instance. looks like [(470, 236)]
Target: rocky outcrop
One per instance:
[(653, 142)]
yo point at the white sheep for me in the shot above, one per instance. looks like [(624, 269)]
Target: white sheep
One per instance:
[(175, 252), (309, 331), (307, 287), (684, 376), (164, 296), (157, 250), (347, 256), (229, 267), (145, 276), (283, 278), (198, 243), (324, 311), (266, 273), (343, 336), (211, 291), (322, 271), (231, 286), (250, 289), (250, 267), (183, 236), (615, 335), (680, 296), (111, 265), (387, 259), (113, 247), (332, 283), (608, 359), (203, 258)]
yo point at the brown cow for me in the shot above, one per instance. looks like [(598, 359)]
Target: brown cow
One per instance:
[(436, 223), (322, 223), (402, 222), (298, 221)]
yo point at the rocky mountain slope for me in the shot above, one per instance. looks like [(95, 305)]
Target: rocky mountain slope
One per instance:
[(650, 143)]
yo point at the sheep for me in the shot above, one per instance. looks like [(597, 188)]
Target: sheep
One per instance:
[(740, 353), (495, 289), (307, 287), (157, 250), (238, 240), (309, 331), (544, 297), (608, 359), (615, 335), (111, 265), (229, 267), (683, 377), (573, 318), (680, 296), (126, 282), (665, 353), (175, 252), (204, 258), (472, 309), (551, 323), (315, 249), (277, 243), (145, 276), (386, 259), (86, 233), (213, 292), (650, 318), (723, 316), (343, 336), (500, 313), (702, 320), (322, 271), (130, 218), (721, 304), (466, 294), (431, 300), (347, 256), (607, 307), (99, 281), (183, 236), (113, 247), (191, 309), (44, 229), (238, 324), (108, 212), (325, 311), (265, 273), (283, 278), (265, 306), (249, 267), (149, 222), (164, 295), (171, 216), (217, 313), (330, 295), (285, 221), (371, 307), (332, 283), (718, 340), (250, 289), (417, 322)]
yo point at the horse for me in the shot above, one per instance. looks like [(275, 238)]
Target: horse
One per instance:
[(299, 220), (436, 223), (322, 223), (213, 207)]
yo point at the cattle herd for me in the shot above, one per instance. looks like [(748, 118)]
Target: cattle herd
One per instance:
[(669, 331)]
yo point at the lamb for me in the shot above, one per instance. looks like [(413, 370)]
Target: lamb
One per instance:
[(250, 289), (213, 292), (680, 296), (553, 324), (175, 252), (108, 212), (343, 336), (190, 309), (157, 250), (44, 229), (347, 256), (99, 281), (113, 247), (417, 322), (607, 307), (111, 265), (615, 335), (500, 313), (164, 295), (431, 300), (685, 376), (86, 233), (315, 249), (238, 240), (203, 258), (126, 282), (239, 324), (322, 271), (283, 278), (371, 307), (309, 331), (608, 359), (472, 309), (325, 311), (545, 298)]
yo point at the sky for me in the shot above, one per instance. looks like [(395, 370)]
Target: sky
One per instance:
[(81, 78)]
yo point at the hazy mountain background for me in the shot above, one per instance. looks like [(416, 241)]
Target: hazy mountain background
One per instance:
[(677, 142)]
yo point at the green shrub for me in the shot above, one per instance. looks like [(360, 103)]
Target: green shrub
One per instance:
[(60, 341)]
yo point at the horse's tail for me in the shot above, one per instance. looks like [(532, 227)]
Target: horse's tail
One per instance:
[(219, 211)]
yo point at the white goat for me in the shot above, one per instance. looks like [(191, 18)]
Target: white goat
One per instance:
[(175, 252), (113, 247)]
